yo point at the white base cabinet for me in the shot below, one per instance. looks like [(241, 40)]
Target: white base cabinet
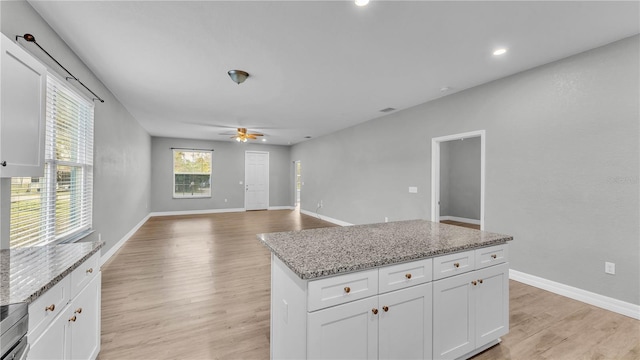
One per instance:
[(71, 330), (393, 312), (470, 310)]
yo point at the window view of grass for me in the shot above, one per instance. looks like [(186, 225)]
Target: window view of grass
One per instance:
[(192, 173)]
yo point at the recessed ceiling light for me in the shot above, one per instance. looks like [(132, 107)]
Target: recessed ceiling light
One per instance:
[(389, 109), (500, 51), (362, 2), (307, 137), (445, 89)]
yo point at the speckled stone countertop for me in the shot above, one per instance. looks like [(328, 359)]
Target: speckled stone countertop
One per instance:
[(26, 273), (329, 251)]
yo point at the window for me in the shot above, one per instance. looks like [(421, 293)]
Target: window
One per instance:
[(58, 206), (191, 173)]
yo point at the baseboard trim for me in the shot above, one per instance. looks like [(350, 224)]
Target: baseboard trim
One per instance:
[(114, 249), (325, 218), (195, 212), (461, 219), (281, 208), (601, 301)]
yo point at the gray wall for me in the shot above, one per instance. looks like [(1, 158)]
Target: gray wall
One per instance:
[(460, 178), (121, 147), (562, 166), (228, 171)]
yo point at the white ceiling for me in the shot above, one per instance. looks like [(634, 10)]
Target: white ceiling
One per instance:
[(315, 67)]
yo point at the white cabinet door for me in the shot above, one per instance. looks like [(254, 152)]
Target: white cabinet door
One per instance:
[(453, 316), (53, 344), (348, 331), (22, 117), (85, 330), (492, 303), (405, 323)]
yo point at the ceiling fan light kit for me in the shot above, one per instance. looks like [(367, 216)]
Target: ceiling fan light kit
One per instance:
[(238, 76), (243, 136)]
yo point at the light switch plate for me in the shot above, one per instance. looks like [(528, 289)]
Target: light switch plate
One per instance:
[(413, 189), (610, 268)]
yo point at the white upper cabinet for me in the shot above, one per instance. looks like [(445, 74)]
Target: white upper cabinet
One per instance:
[(23, 82)]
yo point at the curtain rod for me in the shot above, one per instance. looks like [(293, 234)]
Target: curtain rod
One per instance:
[(181, 148), (31, 38)]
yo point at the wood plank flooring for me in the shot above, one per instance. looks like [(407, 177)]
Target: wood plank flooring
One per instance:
[(460, 223), (197, 287)]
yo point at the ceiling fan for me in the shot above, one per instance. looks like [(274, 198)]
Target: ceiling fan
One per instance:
[(243, 135)]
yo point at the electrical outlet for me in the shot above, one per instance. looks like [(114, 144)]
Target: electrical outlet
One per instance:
[(386, 219), (413, 189), (99, 237), (320, 203), (610, 268)]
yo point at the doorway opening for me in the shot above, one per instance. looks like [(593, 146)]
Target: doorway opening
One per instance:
[(458, 179)]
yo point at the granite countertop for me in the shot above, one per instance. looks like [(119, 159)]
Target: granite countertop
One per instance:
[(26, 273), (329, 251)]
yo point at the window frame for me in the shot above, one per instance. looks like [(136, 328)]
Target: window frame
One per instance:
[(173, 170)]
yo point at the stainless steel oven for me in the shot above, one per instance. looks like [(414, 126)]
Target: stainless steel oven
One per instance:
[(14, 322)]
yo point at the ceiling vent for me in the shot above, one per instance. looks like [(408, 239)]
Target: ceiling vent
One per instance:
[(389, 109)]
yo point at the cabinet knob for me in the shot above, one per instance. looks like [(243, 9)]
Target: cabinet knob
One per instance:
[(456, 265), (385, 308), (73, 318), (374, 311), (494, 256), (90, 270), (408, 275), (4, 163), (50, 307), (474, 283), (480, 281), (347, 289), (78, 310)]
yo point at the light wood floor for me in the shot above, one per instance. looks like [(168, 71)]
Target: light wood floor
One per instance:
[(460, 223), (197, 287)]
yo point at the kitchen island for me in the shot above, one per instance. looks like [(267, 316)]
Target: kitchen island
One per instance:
[(407, 289)]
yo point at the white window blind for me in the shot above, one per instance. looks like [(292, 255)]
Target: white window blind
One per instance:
[(57, 206)]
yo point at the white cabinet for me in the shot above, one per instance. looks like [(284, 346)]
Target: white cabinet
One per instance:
[(395, 325), (72, 329), (405, 323), (23, 85), (470, 310), (348, 331)]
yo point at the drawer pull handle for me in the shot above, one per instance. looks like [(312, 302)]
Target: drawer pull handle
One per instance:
[(480, 281), (456, 265), (474, 283), (50, 307), (494, 256), (73, 318), (408, 276), (385, 308), (374, 311), (347, 289), (78, 311), (90, 270)]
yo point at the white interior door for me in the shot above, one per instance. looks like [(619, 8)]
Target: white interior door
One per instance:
[(256, 180)]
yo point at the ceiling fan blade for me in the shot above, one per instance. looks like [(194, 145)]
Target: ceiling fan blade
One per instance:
[(256, 134), (250, 136)]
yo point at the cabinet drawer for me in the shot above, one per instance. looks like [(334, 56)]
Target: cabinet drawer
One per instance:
[(47, 307), (341, 289), (453, 264), (491, 256), (84, 273), (404, 275)]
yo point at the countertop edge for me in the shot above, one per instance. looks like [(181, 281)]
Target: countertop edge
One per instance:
[(56, 279), (387, 262)]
